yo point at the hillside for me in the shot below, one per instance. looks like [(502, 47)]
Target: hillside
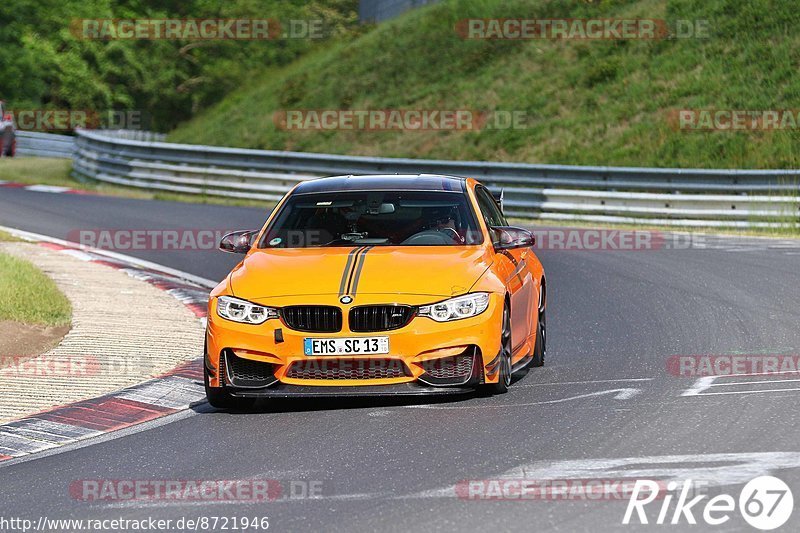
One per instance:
[(585, 102)]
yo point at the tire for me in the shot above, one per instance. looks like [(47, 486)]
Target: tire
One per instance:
[(540, 350), (221, 399), (504, 380)]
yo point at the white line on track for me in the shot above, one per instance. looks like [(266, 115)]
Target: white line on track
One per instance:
[(765, 391), (619, 394), (754, 382), (701, 385), (714, 469), (580, 382)]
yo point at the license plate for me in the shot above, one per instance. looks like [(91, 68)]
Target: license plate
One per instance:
[(347, 346)]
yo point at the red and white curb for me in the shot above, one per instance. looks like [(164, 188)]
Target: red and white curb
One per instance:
[(42, 188), (170, 393)]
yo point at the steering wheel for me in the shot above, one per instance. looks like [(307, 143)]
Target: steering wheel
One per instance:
[(455, 235), (430, 237)]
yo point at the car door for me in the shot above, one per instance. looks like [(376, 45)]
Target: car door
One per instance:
[(515, 268)]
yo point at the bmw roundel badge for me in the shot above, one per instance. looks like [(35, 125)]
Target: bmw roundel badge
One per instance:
[(346, 299)]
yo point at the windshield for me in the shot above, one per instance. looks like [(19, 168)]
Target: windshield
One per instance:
[(376, 218)]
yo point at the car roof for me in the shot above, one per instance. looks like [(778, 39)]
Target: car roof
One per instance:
[(384, 182)]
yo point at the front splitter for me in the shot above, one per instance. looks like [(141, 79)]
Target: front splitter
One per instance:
[(283, 390)]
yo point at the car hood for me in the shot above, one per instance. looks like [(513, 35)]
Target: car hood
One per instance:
[(431, 271)]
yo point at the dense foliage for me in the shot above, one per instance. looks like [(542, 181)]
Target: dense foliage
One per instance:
[(43, 64)]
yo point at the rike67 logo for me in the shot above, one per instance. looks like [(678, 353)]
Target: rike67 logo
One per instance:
[(766, 503)]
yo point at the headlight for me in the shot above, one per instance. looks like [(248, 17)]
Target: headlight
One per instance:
[(244, 311), (456, 308)]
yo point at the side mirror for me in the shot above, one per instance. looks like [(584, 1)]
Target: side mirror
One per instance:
[(237, 242), (510, 237)]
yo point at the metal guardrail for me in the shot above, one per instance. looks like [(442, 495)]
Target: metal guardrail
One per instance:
[(139, 135), (37, 144), (32, 143), (678, 197)]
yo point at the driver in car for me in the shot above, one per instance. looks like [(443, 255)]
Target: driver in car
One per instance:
[(446, 223)]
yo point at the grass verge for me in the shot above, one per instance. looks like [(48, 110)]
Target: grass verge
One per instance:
[(27, 295), (7, 237)]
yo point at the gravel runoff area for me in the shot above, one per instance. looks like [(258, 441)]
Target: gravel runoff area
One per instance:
[(124, 331)]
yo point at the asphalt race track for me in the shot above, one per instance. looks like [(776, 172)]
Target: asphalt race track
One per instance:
[(604, 406)]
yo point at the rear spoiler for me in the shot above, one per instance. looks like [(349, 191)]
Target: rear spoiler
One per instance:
[(499, 197)]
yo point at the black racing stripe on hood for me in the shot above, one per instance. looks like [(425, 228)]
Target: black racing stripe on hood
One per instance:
[(361, 260), (348, 270)]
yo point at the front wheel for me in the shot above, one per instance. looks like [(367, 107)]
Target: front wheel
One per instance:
[(504, 380), (221, 399)]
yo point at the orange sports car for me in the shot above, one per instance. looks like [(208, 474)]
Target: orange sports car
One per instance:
[(376, 285)]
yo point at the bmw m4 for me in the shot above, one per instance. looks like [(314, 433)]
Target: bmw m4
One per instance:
[(376, 285)]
